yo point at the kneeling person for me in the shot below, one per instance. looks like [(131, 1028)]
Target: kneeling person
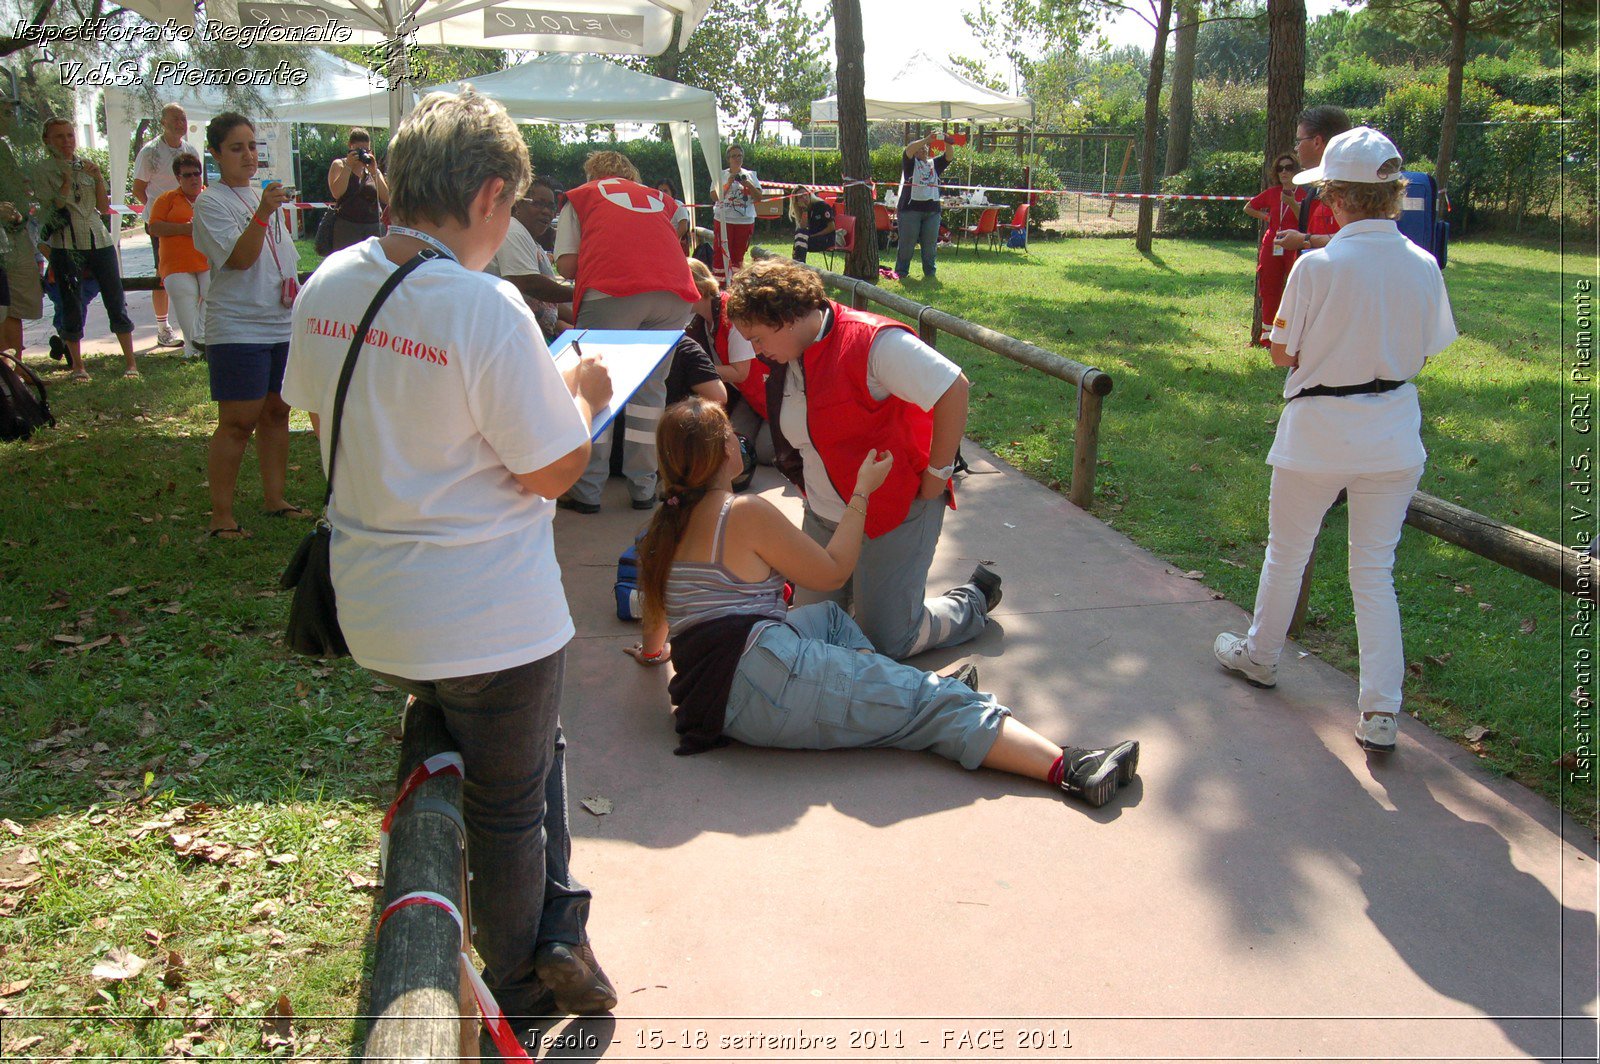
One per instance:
[(845, 382)]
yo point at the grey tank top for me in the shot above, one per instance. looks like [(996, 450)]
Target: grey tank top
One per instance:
[(706, 591)]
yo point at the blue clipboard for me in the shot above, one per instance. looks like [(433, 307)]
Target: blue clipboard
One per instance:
[(631, 356)]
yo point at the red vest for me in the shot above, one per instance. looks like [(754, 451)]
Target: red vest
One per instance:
[(754, 386), (627, 243), (1321, 220), (845, 421)]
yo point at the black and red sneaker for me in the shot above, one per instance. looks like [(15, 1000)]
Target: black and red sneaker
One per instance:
[(1093, 776)]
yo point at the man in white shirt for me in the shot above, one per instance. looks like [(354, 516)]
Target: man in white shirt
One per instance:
[(153, 176), (525, 263)]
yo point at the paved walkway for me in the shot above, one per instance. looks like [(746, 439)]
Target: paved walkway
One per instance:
[(1262, 892)]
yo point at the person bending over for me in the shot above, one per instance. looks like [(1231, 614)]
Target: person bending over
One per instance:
[(843, 382), (713, 567)]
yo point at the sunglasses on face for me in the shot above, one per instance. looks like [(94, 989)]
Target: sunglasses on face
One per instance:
[(1289, 169)]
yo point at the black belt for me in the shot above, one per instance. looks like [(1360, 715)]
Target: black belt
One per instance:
[(1370, 388)]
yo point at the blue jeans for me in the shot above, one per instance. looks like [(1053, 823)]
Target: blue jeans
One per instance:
[(807, 685), (915, 227), (508, 732), (87, 294), (69, 267), (889, 587)]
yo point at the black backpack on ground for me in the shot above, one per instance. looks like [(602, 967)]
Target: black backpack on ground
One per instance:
[(23, 405)]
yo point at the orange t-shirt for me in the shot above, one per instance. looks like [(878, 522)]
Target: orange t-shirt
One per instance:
[(178, 253)]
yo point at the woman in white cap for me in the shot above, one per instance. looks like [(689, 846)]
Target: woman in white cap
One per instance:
[(1358, 320)]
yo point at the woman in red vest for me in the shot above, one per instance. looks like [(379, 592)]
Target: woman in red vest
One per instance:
[(615, 239), (744, 374), (843, 383), (1278, 206)]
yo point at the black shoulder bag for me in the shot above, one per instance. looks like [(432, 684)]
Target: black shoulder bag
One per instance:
[(314, 615)]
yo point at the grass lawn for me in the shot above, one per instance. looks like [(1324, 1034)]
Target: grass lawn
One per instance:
[(1185, 434), (179, 791), (174, 783)]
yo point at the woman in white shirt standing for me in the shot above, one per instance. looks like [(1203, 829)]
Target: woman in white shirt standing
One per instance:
[(1358, 321), (734, 216), (242, 231), (457, 432)]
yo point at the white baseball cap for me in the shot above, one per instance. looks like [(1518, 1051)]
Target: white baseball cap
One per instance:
[(1359, 154)]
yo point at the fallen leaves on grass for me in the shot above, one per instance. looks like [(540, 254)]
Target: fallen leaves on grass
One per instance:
[(119, 964), (24, 1044), (361, 882), (175, 974), (13, 989), (1528, 625), (1440, 659), (278, 1024), (1477, 733)]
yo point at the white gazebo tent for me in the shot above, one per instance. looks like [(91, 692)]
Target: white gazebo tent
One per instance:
[(625, 27), (568, 89), (332, 79), (926, 89)]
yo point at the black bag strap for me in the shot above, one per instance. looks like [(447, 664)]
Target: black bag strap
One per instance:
[(349, 370), (1304, 219)]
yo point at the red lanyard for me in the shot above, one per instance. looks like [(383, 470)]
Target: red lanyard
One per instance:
[(272, 232)]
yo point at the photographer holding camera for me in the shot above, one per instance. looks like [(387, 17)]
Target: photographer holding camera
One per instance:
[(360, 192)]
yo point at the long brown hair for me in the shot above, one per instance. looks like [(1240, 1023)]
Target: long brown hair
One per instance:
[(691, 438)]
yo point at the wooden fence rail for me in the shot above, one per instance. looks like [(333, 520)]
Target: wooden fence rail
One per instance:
[(421, 1010), (1092, 384)]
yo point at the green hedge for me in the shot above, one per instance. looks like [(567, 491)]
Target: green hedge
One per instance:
[(656, 160), (1223, 173)]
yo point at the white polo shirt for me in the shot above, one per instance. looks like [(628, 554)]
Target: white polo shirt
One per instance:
[(1371, 305)]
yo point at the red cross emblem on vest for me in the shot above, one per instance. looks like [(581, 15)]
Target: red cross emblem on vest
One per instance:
[(631, 197)]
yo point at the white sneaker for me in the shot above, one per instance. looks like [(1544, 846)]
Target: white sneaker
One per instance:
[(1231, 651), (165, 337), (1378, 732)]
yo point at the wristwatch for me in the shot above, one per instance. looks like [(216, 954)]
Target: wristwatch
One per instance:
[(943, 472)]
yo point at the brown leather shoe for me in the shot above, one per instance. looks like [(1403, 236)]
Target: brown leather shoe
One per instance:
[(571, 973)]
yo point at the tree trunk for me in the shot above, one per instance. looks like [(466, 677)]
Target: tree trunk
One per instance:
[(1459, 15), (1152, 115), (850, 59), (1180, 103), (1286, 78)]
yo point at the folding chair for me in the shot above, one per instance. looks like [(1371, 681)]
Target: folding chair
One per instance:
[(845, 224)]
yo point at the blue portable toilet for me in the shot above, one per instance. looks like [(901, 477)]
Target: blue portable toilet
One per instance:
[(1417, 217)]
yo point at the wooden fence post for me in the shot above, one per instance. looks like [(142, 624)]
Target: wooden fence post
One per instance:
[(1085, 443)]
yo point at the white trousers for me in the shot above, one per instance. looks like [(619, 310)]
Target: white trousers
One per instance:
[(187, 293), (1377, 504)]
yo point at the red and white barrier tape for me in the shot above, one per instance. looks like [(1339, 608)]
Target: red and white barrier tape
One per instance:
[(505, 1039), (1160, 196), (448, 762)]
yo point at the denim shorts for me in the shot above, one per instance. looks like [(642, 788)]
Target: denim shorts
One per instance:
[(243, 373)]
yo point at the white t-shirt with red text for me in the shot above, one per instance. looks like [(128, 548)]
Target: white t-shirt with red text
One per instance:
[(442, 564)]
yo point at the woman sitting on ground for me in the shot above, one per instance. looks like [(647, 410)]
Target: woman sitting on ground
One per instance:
[(814, 227), (712, 573)]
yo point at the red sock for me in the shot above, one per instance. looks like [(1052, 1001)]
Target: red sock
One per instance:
[(1056, 770)]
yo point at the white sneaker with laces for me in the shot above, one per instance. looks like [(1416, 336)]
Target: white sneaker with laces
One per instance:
[(1378, 732), (165, 337), (1231, 651)]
